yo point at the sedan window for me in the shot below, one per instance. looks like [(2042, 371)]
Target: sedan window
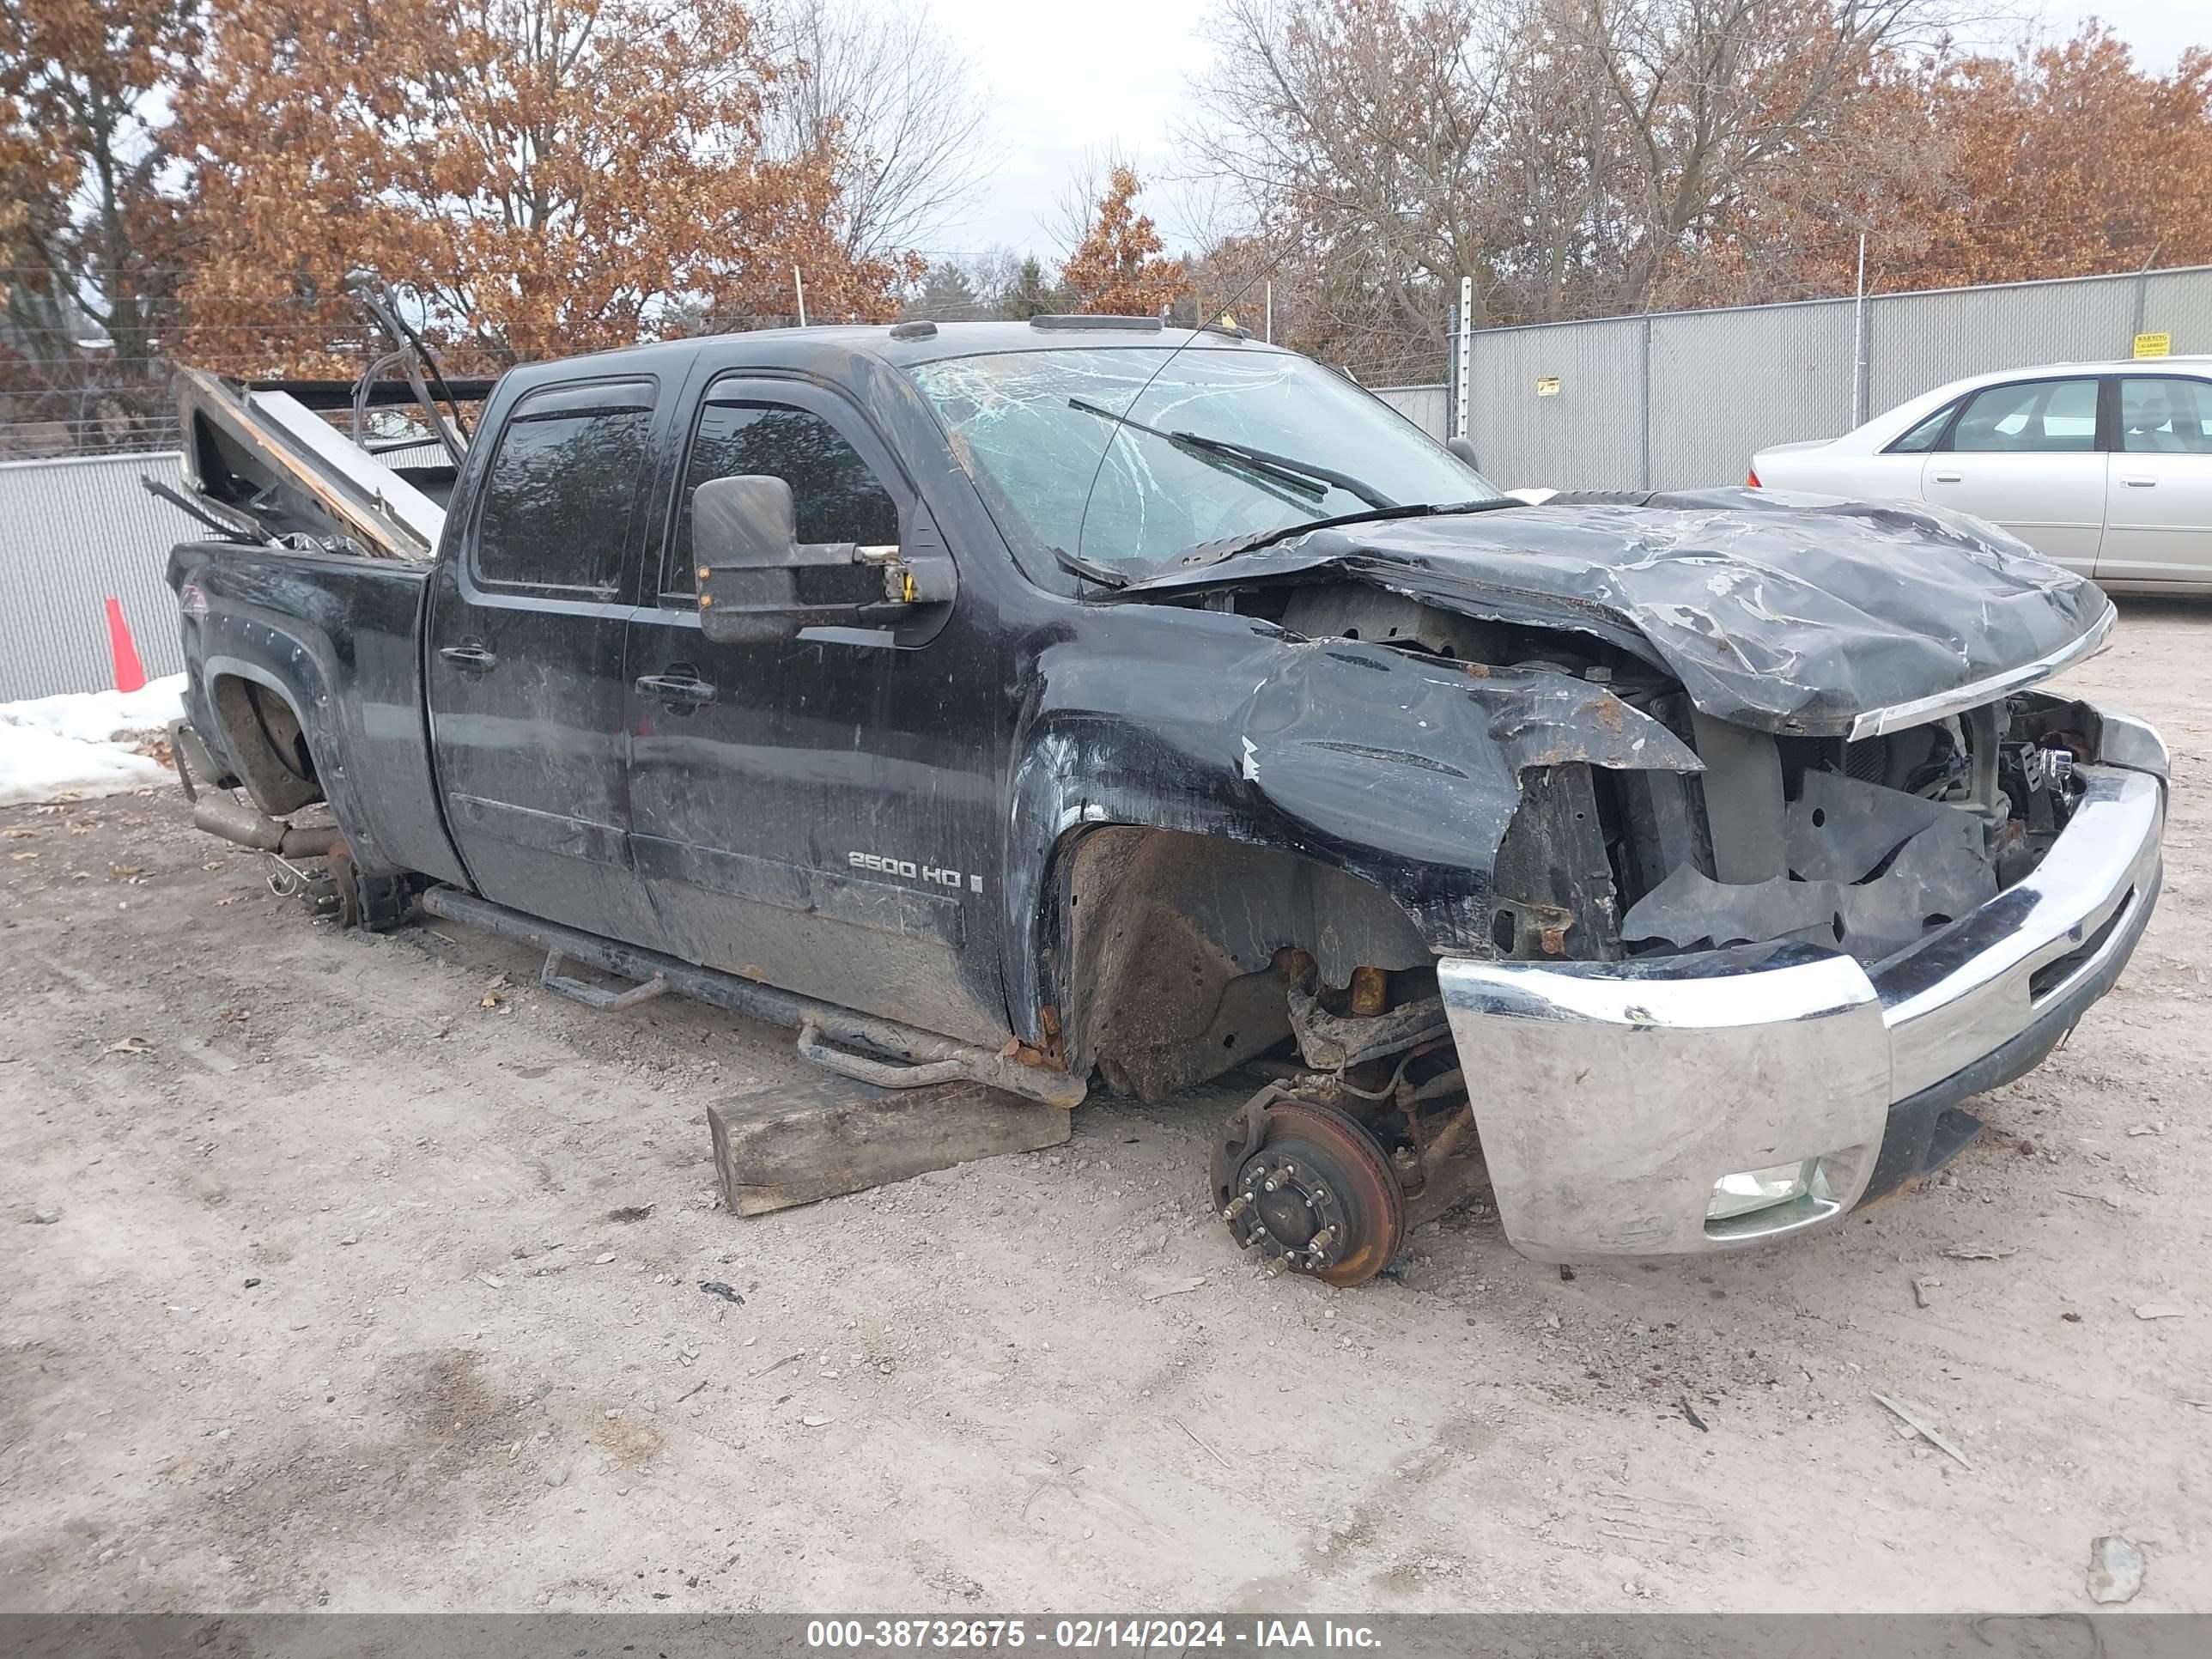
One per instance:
[(2166, 415), (2037, 416), (1923, 437)]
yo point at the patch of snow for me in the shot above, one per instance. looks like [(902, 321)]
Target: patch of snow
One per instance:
[(82, 744)]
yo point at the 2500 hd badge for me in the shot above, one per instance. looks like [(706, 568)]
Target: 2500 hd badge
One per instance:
[(912, 871)]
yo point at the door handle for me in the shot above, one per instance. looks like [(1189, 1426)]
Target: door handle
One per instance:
[(2138, 481), (676, 690), (1948, 477), (469, 657)]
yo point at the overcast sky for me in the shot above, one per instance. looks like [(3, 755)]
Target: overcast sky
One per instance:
[(1064, 82)]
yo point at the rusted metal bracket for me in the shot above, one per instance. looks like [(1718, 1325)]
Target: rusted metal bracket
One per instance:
[(1331, 1042)]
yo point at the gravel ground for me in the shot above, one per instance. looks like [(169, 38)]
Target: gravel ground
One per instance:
[(320, 1291)]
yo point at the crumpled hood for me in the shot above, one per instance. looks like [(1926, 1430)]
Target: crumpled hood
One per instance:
[(1782, 612)]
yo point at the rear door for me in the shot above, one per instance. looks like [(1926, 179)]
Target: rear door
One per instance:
[(2158, 511), (821, 810), (525, 658), (2024, 455)]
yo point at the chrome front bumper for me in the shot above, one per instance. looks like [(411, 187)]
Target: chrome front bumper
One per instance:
[(1615, 1094)]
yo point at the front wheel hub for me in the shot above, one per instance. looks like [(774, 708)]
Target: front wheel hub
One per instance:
[(1318, 1195)]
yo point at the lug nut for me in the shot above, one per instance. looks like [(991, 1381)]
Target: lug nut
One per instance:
[(1242, 1203), (1322, 1240), (1275, 1182)]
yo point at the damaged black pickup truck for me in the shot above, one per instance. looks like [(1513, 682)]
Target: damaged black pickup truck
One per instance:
[(1034, 702)]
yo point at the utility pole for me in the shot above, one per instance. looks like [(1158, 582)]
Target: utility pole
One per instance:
[(799, 287), (1271, 311), (1463, 358), (1860, 362)]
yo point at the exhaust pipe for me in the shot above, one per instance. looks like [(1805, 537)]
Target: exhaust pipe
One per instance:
[(232, 819)]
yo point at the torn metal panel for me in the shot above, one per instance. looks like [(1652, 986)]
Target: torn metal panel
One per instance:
[(1785, 613), (1839, 829), (1402, 770), (1341, 734), (1871, 870)]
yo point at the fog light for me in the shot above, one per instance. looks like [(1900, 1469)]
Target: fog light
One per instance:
[(1760, 1189)]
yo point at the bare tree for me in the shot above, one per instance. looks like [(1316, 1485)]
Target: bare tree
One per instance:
[(1572, 156), (1355, 136), (886, 93), (1690, 104)]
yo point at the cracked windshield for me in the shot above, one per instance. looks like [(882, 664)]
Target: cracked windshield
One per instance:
[(1224, 442)]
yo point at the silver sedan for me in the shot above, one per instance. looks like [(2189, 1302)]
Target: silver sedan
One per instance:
[(2105, 468)]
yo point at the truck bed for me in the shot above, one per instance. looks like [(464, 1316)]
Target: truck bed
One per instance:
[(337, 637)]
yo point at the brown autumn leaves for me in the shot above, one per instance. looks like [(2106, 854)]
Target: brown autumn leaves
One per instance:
[(199, 177), (1582, 158), (550, 176), (537, 176)]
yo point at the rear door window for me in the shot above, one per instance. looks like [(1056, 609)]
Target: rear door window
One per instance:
[(2029, 417), (564, 487), (2166, 415)]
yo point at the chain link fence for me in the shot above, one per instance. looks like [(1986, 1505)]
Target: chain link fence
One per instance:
[(1681, 400)]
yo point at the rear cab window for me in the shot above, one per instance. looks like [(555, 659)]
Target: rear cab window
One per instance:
[(564, 488)]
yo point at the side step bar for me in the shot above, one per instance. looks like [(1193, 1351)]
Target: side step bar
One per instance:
[(919, 1058)]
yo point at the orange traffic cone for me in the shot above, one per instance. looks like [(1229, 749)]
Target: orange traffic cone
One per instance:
[(129, 676)]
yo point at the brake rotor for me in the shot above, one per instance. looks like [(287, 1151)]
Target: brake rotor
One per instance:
[(1317, 1194)]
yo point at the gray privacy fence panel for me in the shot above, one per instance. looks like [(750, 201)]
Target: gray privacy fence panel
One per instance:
[(1426, 406), (1725, 383), (1564, 400), (2179, 303), (1921, 340), (1718, 385), (72, 532)]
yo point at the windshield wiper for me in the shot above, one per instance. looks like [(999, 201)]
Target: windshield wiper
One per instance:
[(1282, 469), (1105, 576), (1221, 552)]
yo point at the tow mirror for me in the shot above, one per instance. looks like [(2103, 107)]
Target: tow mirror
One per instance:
[(1464, 450), (758, 581)]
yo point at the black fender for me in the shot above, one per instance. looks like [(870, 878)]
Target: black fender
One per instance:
[(1402, 770), (336, 639)]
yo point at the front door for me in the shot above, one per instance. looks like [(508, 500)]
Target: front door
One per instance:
[(820, 811), (2024, 456), (525, 639), (2158, 514)]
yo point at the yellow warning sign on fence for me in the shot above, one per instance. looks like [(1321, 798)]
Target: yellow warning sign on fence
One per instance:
[(1547, 385), (2160, 344)]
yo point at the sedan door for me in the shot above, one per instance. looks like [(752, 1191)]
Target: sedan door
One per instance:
[(2024, 456), (2158, 511)]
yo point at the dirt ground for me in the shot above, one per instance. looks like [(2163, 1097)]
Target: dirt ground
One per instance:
[(318, 1292)]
